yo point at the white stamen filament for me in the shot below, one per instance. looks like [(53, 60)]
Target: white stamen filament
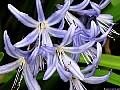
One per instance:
[(85, 58), (20, 68)]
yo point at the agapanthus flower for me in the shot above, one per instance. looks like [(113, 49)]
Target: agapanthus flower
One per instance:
[(43, 28), (21, 64), (62, 60), (75, 84)]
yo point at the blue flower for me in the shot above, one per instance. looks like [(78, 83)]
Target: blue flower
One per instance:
[(21, 64), (42, 27)]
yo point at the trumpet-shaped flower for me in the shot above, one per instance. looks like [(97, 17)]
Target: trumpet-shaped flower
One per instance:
[(21, 64), (42, 27)]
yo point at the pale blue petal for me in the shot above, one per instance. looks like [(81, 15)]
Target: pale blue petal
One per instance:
[(29, 39), (22, 17), (31, 82), (46, 40), (57, 32), (93, 30), (10, 49), (105, 16), (72, 18), (102, 37), (37, 66), (80, 6), (89, 12), (23, 53), (40, 11), (88, 68), (96, 7), (68, 38), (58, 15), (103, 5), (97, 80), (91, 73), (70, 1), (73, 68), (62, 24), (50, 50), (64, 75), (96, 60), (42, 52), (75, 57), (99, 53), (81, 48), (33, 55), (49, 72), (9, 67), (49, 59)]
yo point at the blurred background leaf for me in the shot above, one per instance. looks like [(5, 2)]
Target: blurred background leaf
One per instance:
[(1, 55), (109, 61), (113, 10), (115, 2)]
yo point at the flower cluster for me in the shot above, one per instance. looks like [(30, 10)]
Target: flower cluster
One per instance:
[(82, 30)]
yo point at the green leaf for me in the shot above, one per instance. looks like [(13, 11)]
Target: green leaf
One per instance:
[(113, 10), (114, 78), (9, 76), (109, 61), (115, 2), (1, 55)]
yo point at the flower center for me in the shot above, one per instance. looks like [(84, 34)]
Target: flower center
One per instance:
[(59, 49), (23, 61), (42, 25)]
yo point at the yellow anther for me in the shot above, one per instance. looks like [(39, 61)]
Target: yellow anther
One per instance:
[(42, 25), (59, 49), (23, 61)]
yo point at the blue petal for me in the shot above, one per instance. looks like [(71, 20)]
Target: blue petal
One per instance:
[(102, 37), (46, 40), (10, 49), (49, 59), (22, 17), (91, 73), (58, 15), (105, 18), (64, 75), (9, 67), (29, 39), (69, 36), (96, 7), (49, 72), (97, 80), (57, 32), (72, 18), (93, 30), (89, 12), (79, 49), (36, 66), (103, 5), (72, 66), (62, 24), (50, 50), (33, 55), (80, 6), (96, 60), (40, 11), (31, 82)]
